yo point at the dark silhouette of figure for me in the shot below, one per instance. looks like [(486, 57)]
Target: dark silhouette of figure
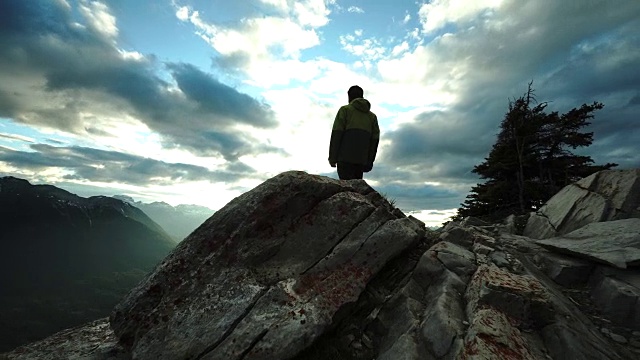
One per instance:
[(355, 137)]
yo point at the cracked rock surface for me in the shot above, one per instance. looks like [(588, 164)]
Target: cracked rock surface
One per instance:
[(603, 196), (94, 340), (621, 248), (264, 276)]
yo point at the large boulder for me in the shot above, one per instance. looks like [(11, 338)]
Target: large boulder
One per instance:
[(617, 294), (604, 196), (564, 270), (265, 275), (615, 243)]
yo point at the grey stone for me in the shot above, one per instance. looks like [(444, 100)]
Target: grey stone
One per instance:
[(604, 196), (459, 236), (572, 208), (450, 225), (455, 258), (565, 270), (399, 316), (413, 290), (419, 223), (481, 249), (473, 221), (265, 274), (442, 313), (539, 227), (489, 230), (95, 340), (521, 244), (484, 239), (491, 336), (499, 258), (440, 258), (566, 342), (405, 348), (515, 295), (429, 270), (618, 301), (615, 243), (618, 338), (443, 319), (620, 187)]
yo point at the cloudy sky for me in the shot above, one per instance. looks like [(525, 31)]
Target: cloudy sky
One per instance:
[(194, 101)]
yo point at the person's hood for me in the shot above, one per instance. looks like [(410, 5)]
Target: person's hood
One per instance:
[(361, 104)]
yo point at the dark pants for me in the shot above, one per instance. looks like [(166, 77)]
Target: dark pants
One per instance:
[(349, 171)]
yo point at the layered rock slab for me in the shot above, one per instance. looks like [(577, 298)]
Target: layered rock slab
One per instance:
[(263, 277), (94, 340), (614, 243), (603, 196), (564, 270), (617, 294)]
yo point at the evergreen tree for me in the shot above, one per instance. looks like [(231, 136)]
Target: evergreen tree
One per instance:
[(531, 159)]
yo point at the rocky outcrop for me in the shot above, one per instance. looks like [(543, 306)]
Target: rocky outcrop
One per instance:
[(615, 243), (265, 275), (95, 340), (453, 302), (603, 196), (617, 295), (329, 270)]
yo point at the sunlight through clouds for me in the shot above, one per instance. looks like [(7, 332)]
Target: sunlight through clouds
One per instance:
[(438, 13), (99, 17), (312, 13), (266, 48), (226, 94)]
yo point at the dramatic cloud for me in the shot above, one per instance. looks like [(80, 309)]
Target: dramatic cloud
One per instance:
[(437, 145), (17, 137), (440, 74), (313, 13), (88, 164), (573, 54), (438, 13), (441, 90), (57, 73), (266, 48), (99, 18)]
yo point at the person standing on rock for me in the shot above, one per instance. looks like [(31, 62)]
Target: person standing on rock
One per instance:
[(355, 137)]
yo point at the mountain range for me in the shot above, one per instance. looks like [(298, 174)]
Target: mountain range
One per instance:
[(67, 259), (178, 221)]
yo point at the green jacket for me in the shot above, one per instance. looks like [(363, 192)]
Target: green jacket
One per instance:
[(355, 134)]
